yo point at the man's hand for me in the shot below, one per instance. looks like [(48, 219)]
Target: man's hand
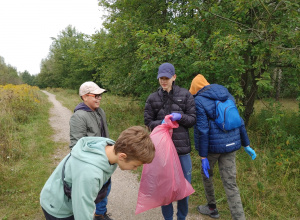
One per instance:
[(205, 166), (251, 152), (175, 116)]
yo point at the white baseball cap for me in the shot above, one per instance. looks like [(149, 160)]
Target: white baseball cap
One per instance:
[(90, 87)]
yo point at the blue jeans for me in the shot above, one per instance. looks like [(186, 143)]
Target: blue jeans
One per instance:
[(101, 206), (182, 205)]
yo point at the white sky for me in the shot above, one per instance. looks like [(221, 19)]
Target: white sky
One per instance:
[(26, 27)]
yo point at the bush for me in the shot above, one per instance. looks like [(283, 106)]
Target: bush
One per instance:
[(18, 103)]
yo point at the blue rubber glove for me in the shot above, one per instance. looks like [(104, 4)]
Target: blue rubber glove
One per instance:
[(175, 116), (250, 151), (163, 122), (205, 166)]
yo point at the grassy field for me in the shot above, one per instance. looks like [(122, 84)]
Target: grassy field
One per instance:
[(269, 185), (25, 149)]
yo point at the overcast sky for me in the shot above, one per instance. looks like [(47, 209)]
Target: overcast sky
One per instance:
[(26, 27)]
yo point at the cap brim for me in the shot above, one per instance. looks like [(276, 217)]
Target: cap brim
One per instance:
[(98, 91), (168, 75)]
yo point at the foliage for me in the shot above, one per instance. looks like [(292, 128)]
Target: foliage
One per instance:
[(8, 74), (240, 44), (27, 78), (68, 62), (24, 133), (18, 103), (19, 100)]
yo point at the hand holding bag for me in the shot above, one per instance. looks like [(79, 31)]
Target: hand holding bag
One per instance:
[(162, 181)]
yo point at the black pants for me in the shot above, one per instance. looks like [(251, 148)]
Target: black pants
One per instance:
[(50, 217)]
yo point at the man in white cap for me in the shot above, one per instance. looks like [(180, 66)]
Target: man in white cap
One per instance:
[(89, 120)]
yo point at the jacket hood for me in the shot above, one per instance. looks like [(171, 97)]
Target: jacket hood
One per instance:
[(214, 92), (92, 150), (198, 83), (82, 106)]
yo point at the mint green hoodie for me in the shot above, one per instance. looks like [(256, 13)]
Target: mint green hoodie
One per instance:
[(86, 171)]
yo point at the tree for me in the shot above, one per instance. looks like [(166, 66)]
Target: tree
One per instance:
[(242, 42), (68, 62), (27, 78), (8, 74)]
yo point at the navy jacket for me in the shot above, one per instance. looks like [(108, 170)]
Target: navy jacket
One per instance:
[(208, 137)]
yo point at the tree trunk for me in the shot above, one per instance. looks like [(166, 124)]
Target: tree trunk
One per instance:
[(278, 74), (250, 98)]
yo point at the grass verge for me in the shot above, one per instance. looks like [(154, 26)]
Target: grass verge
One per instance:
[(22, 178)]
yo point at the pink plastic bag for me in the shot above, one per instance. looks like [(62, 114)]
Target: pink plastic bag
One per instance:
[(162, 181)]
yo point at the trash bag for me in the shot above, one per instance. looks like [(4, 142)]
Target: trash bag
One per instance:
[(162, 181)]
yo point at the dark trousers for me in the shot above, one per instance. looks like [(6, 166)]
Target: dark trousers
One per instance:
[(50, 217)]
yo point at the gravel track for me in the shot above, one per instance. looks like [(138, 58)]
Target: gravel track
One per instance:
[(122, 199)]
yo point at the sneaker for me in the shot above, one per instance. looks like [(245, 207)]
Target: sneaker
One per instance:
[(102, 217), (205, 210)]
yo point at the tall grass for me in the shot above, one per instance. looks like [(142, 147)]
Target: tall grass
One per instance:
[(24, 150), (269, 185)]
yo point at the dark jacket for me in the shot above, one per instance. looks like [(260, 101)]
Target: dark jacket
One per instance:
[(208, 137), (87, 123), (161, 103)]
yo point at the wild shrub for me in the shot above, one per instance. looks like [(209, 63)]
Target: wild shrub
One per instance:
[(273, 129), (18, 103)]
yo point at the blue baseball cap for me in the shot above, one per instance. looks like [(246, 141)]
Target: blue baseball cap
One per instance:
[(166, 70)]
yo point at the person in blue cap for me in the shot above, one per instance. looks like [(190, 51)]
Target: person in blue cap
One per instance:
[(173, 100)]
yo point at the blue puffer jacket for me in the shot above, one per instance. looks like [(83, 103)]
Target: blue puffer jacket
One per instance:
[(208, 137)]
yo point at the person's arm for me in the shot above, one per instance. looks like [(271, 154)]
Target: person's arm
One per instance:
[(84, 192), (78, 129), (201, 136), (246, 142), (103, 116), (150, 116), (244, 136), (201, 130), (188, 118)]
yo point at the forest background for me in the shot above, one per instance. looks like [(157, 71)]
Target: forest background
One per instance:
[(250, 47)]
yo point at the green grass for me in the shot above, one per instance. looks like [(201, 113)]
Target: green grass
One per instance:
[(23, 179), (269, 185)]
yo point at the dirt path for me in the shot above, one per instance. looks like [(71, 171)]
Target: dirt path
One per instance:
[(123, 196)]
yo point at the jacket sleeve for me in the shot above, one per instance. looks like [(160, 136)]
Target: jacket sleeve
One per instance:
[(103, 115), (244, 136), (188, 119), (84, 192), (78, 129), (149, 116), (201, 130)]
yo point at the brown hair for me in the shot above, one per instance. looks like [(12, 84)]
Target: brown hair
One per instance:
[(135, 142)]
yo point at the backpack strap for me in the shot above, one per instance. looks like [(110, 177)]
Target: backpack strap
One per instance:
[(175, 103)]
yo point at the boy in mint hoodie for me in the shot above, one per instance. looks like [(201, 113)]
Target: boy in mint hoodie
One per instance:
[(79, 180)]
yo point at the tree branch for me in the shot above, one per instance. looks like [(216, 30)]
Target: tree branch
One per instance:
[(285, 48)]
